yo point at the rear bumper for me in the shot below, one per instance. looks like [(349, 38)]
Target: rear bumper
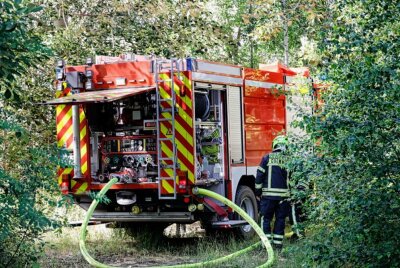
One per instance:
[(171, 217)]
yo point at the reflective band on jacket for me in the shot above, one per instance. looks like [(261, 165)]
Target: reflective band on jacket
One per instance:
[(261, 169), (258, 185)]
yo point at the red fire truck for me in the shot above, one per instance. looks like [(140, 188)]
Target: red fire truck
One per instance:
[(163, 127)]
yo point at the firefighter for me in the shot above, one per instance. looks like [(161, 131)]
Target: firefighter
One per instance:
[(272, 190)]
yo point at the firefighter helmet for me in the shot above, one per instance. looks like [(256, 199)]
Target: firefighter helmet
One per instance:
[(280, 142)]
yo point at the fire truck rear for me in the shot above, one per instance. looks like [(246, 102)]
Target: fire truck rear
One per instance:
[(163, 127)]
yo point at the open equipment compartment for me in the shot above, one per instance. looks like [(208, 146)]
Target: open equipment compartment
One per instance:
[(125, 144)]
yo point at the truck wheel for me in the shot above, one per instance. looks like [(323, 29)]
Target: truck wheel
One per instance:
[(246, 200)]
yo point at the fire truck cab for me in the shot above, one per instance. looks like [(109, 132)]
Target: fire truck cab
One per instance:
[(163, 127)]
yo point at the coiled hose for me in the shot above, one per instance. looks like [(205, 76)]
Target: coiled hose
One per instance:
[(197, 191)]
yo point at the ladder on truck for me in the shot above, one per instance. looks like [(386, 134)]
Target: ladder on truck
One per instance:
[(166, 163)]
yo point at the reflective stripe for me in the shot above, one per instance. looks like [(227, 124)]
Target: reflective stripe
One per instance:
[(277, 242), (277, 236), (275, 194), (277, 190), (261, 169), (269, 176), (258, 185)]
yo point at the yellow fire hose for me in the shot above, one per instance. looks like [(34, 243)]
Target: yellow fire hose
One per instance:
[(197, 191)]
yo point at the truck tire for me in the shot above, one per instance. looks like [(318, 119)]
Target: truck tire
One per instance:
[(246, 200)]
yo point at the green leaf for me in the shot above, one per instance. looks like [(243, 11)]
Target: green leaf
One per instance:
[(35, 9), (10, 26)]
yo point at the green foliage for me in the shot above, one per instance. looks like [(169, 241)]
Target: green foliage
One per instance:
[(264, 31), (20, 47), (354, 213), (28, 194), (354, 210), (100, 199), (28, 191), (78, 29)]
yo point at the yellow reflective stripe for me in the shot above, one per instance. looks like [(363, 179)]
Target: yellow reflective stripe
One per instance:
[(65, 171), (59, 108), (65, 137), (261, 169), (188, 119), (169, 154), (179, 146), (176, 89), (186, 82), (181, 113), (166, 150), (169, 171), (83, 150), (82, 188), (167, 186), (185, 99), (81, 116), (163, 93), (84, 168), (188, 137), (183, 150), (82, 133), (64, 120), (258, 185)]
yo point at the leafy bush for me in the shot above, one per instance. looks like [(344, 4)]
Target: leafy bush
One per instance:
[(355, 164), (28, 195), (28, 191)]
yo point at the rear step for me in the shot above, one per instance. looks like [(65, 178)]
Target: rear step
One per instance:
[(228, 224)]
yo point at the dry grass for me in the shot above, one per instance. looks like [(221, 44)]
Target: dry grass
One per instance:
[(115, 247)]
